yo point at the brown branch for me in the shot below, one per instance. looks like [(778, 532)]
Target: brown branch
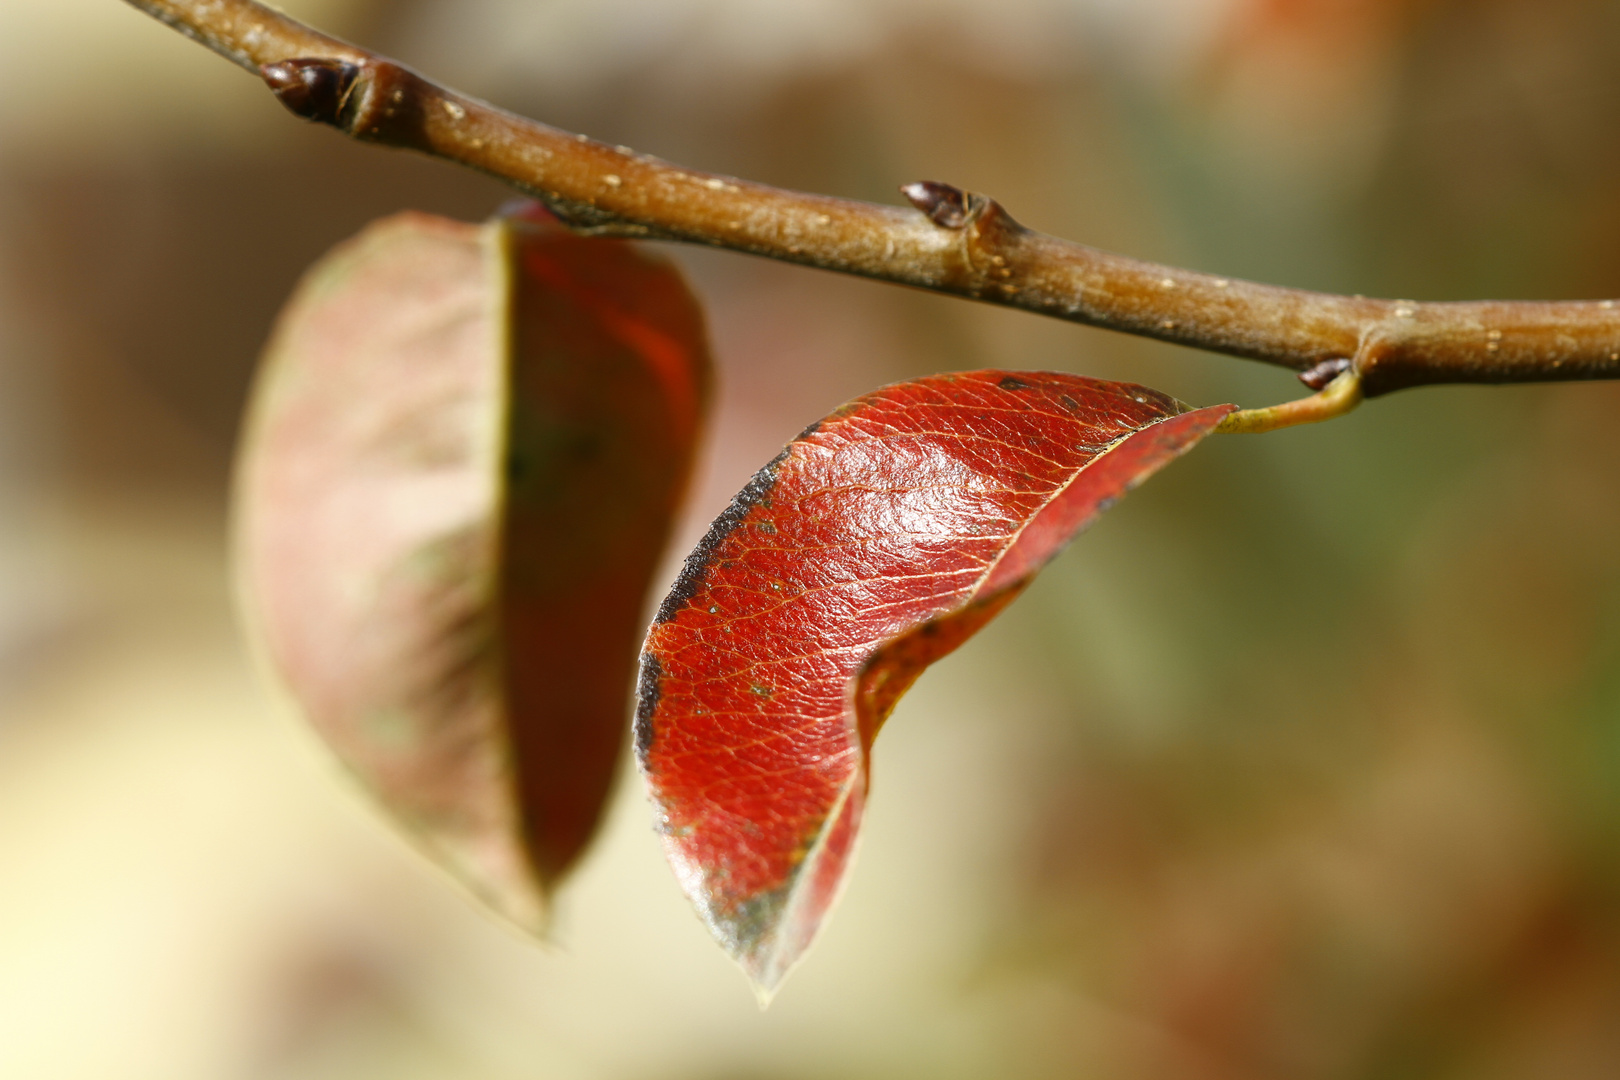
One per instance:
[(951, 241)]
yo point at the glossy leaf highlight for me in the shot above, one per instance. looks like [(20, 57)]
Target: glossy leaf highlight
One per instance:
[(875, 543), (463, 453)]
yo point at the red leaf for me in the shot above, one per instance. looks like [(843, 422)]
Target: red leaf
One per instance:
[(875, 543), (464, 451)]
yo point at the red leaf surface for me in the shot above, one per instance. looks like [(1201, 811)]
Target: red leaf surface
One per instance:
[(463, 454), (875, 543)]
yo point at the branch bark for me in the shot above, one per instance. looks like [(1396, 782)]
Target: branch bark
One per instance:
[(950, 241)]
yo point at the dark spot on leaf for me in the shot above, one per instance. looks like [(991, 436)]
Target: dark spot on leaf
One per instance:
[(696, 567), (1010, 383), (647, 690), (762, 691), (1068, 403)]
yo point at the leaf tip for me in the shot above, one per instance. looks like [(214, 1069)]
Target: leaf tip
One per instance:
[(764, 994), (768, 967)]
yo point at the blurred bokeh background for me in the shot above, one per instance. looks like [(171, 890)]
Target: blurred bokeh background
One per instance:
[(1304, 763)]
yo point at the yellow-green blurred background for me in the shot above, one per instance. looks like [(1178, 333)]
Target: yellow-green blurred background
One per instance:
[(1304, 763)]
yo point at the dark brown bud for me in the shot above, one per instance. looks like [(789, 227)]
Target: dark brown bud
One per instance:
[(945, 205), (1319, 376), (314, 89)]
